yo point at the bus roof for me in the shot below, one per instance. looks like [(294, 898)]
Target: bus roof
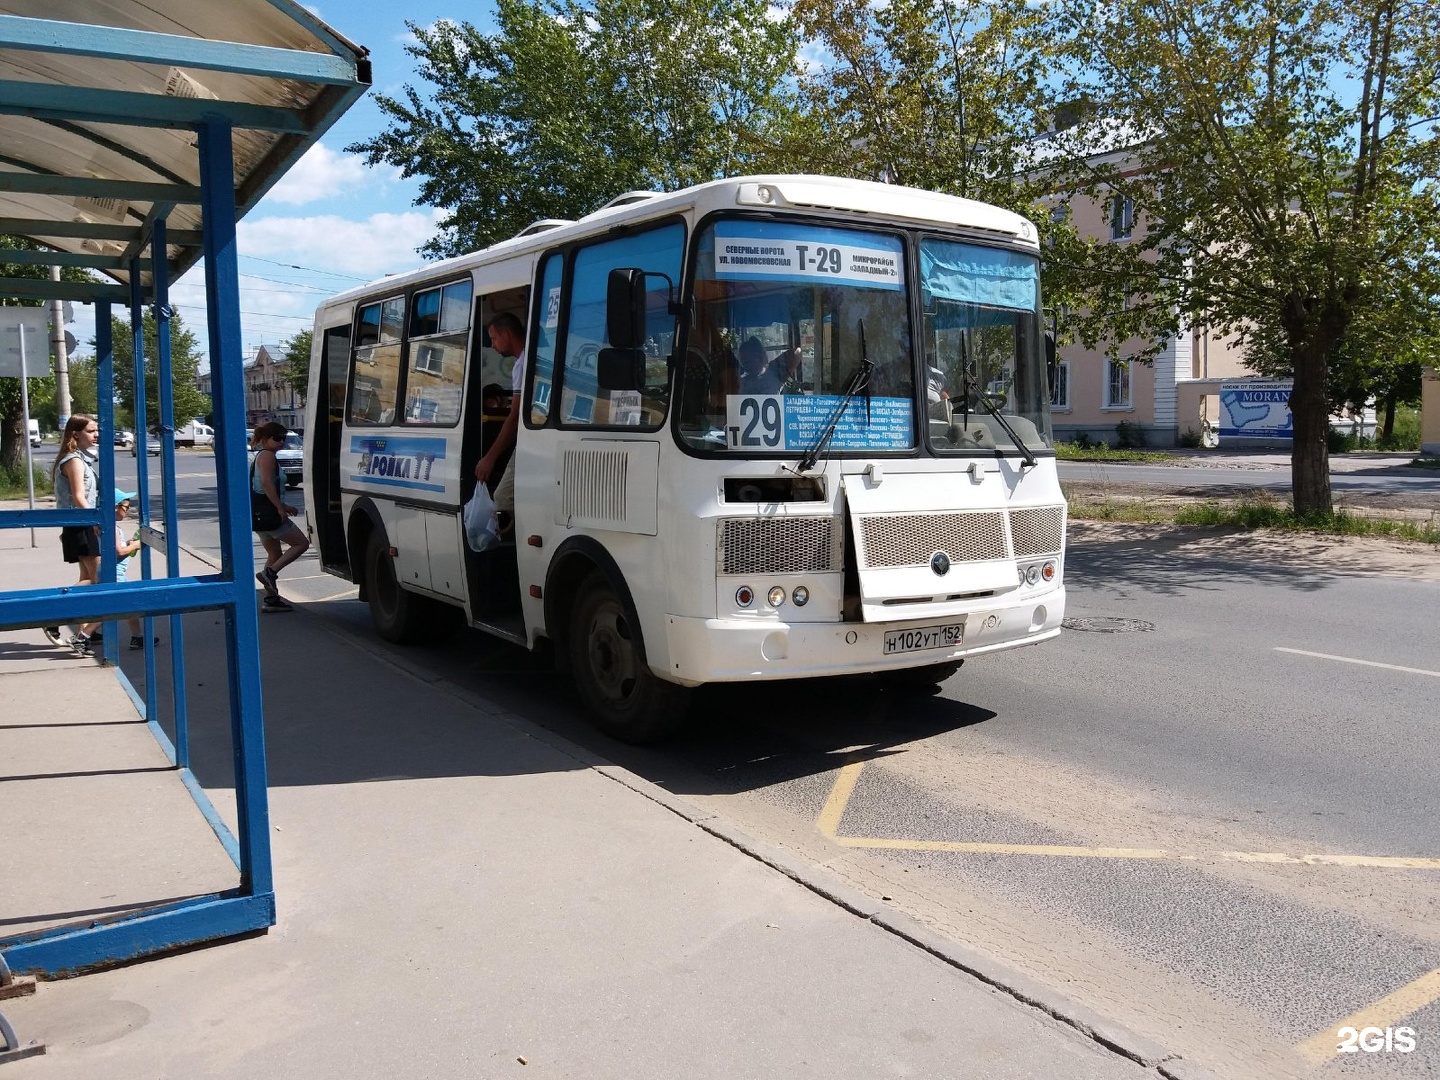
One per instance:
[(886, 203)]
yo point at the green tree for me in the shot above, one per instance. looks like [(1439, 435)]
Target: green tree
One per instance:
[(184, 365), (572, 102), (295, 354), (946, 95), (1282, 157)]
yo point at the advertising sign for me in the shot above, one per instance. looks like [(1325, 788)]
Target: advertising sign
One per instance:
[(1256, 409)]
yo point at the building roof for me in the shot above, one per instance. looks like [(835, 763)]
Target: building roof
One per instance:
[(99, 106)]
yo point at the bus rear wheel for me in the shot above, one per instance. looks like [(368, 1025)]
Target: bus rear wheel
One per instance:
[(399, 616), (625, 699)]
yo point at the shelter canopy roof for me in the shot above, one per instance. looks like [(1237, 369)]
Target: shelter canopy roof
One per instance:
[(100, 103)]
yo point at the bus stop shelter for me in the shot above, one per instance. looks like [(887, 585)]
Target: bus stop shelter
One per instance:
[(133, 137)]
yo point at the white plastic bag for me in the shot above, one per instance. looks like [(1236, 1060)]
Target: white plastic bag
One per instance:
[(482, 524)]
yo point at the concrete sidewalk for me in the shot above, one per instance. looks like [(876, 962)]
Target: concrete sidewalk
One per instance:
[(462, 894)]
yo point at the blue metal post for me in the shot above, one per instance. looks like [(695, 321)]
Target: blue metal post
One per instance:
[(105, 406), (142, 462), (160, 277), (242, 630)]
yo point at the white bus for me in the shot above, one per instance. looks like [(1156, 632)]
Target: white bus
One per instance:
[(772, 427)]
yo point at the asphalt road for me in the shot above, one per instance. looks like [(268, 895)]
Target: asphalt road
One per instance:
[(1208, 812)]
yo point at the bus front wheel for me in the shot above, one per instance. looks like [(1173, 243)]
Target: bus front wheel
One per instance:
[(623, 695), (399, 616)]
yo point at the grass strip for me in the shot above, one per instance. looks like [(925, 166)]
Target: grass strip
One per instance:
[(1254, 514)]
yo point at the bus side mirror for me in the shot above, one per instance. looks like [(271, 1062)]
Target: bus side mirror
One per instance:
[(620, 369), (625, 308)]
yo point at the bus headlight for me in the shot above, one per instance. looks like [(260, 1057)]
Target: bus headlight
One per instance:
[(1048, 571), (1032, 575), (776, 596), (744, 596), (801, 596)]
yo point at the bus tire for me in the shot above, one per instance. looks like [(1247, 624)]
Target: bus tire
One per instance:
[(399, 616), (921, 679), (625, 699)]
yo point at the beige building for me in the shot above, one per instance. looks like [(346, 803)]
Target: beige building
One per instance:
[(1430, 412), (268, 396), (1165, 399)]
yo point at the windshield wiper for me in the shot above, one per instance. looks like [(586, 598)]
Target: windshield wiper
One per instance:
[(859, 381), (989, 407)]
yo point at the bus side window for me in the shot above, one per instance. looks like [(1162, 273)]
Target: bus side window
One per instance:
[(375, 383), (584, 402), (546, 332), (439, 325)]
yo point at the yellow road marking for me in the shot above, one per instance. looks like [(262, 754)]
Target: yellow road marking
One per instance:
[(849, 775), (1365, 663), (1387, 1012), (834, 809), (1009, 849), (1394, 862)]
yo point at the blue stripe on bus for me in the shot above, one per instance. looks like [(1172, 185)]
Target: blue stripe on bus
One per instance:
[(365, 478)]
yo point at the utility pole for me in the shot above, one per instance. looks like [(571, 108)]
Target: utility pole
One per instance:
[(57, 349)]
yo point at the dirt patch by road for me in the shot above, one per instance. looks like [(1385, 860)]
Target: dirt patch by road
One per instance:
[(1359, 555)]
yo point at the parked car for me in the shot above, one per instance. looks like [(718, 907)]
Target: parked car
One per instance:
[(291, 459), (125, 438), (152, 445)]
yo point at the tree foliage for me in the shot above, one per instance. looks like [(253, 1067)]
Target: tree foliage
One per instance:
[(946, 95), (1282, 159), (572, 102), (184, 366), (295, 354)]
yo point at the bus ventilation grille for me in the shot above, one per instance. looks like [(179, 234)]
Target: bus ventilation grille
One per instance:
[(1037, 530), (792, 545), (891, 540), (899, 540), (592, 486)]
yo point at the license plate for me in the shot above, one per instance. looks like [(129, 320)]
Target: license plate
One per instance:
[(924, 637)]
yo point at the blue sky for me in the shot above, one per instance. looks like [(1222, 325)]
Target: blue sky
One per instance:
[(331, 223)]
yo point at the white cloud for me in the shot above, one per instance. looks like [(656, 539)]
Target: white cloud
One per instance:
[(377, 245), (320, 174)]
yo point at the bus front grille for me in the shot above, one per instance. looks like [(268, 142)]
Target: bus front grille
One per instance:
[(1037, 530), (783, 545), (890, 540)]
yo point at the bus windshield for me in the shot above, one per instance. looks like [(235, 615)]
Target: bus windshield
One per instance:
[(785, 313), (983, 351)]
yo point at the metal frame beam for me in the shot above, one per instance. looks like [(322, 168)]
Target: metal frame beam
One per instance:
[(145, 47), (92, 187), (46, 101), (41, 227), (87, 292)]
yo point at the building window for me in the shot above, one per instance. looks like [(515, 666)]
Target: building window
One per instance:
[(1060, 397), (1122, 217), (1059, 216), (1117, 384)]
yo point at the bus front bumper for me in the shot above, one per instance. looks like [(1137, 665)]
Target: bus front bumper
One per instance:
[(736, 650)]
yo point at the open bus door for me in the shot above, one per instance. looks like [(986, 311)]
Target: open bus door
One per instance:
[(323, 480)]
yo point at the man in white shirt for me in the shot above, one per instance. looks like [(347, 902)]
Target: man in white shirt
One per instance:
[(507, 337)]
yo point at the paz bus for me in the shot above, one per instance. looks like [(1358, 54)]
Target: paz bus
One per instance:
[(771, 427)]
